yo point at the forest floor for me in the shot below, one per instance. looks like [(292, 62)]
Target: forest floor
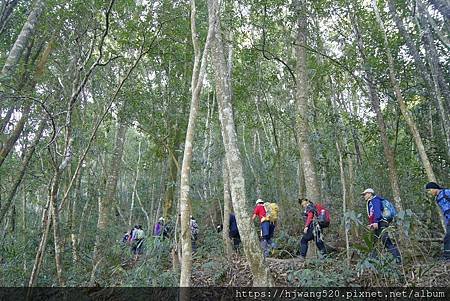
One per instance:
[(314, 272)]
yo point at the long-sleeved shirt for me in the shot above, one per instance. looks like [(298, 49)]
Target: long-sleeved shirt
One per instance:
[(157, 231), (260, 212), (374, 209), (443, 200)]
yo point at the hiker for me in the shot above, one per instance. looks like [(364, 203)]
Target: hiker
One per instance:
[(168, 229), (132, 239), (158, 230), (272, 215), (194, 233), (125, 238), (312, 229), (234, 232), (260, 212), (138, 241), (378, 223), (442, 198)]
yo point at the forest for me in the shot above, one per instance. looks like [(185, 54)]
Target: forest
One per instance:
[(178, 119)]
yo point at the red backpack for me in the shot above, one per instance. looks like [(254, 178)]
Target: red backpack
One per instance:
[(323, 216)]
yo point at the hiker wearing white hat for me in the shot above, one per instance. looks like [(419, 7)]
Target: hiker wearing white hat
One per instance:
[(260, 211), (377, 223)]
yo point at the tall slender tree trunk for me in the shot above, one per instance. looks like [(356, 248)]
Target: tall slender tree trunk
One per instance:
[(72, 221), (301, 180), (171, 176), (133, 195), (405, 112), (25, 34), (253, 253), (250, 164), (206, 152), (56, 227), (9, 144), (432, 83), (4, 123), (198, 73), (302, 86), (6, 10), (108, 201), (438, 82), (344, 199), (375, 103), (226, 209), (23, 169), (46, 222), (443, 6)]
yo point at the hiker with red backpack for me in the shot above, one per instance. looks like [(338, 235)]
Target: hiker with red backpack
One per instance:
[(317, 218), (380, 213), (442, 198), (260, 212)]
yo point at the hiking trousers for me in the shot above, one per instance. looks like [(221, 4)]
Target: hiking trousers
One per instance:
[(265, 235), (234, 235), (309, 235), (386, 240)]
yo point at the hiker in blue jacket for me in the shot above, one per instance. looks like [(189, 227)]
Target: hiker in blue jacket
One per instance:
[(442, 198), (377, 223)]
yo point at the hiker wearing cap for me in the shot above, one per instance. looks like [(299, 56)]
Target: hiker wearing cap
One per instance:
[(442, 198), (312, 229), (159, 227), (377, 223), (260, 212)]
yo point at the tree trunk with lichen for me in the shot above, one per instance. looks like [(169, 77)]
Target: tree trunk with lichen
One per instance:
[(260, 271), (309, 170)]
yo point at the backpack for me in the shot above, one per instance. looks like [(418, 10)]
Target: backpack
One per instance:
[(194, 227), (140, 234), (323, 216), (271, 211), (389, 211)]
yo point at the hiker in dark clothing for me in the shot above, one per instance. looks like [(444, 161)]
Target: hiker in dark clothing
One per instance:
[(159, 228), (442, 198), (234, 232), (312, 229), (193, 226), (168, 229), (377, 223)]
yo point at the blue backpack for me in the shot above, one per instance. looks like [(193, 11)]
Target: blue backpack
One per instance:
[(389, 211)]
